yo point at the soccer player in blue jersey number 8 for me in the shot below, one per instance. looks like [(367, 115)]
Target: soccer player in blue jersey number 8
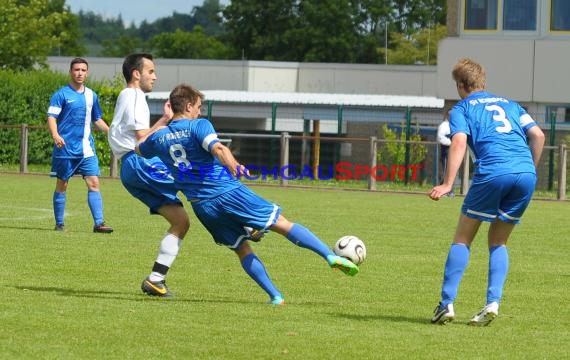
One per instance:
[(205, 171), (72, 110), (507, 145)]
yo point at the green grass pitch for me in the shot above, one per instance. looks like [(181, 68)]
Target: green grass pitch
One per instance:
[(76, 295)]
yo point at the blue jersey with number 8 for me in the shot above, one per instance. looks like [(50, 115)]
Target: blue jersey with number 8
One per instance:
[(184, 146), (496, 133)]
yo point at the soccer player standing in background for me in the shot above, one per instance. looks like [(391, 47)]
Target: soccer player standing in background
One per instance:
[(71, 111), (131, 121), (205, 171), (507, 145)]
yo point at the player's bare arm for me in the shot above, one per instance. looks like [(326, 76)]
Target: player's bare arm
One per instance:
[(142, 135), (52, 126), (224, 154), (456, 154), (102, 125), (536, 143)]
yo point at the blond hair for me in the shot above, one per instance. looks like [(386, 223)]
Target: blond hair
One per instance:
[(469, 74)]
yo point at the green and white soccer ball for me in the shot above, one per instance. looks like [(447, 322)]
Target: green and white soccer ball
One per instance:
[(351, 248)]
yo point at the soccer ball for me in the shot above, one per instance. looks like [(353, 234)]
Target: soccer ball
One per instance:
[(352, 248)]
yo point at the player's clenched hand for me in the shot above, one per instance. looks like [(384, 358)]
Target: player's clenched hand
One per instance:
[(59, 142), (438, 191), (242, 171)]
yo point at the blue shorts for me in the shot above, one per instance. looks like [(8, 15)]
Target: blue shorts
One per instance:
[(505, 197), (144, 180), (65, 168), (225, 215)]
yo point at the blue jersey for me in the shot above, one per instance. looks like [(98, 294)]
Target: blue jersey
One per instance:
[(496, 133), (184, 147), (75, 111)]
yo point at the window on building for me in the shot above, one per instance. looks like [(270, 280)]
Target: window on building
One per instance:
[(480, 14), (560, 15), (519, 15)]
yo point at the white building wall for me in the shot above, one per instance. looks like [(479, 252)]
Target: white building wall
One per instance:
[(552, 71), (509, 65)]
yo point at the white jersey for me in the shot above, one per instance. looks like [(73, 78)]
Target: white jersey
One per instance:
[(131, 114)]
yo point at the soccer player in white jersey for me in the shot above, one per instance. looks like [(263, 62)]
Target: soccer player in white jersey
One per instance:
[(141, 177), (507, 145), (205, 171), (72, 111)]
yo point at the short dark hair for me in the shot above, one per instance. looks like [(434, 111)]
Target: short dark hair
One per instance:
[(78, 60), (182, 95), (134, 62)]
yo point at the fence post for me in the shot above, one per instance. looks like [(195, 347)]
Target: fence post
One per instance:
[(113, 166), (408, 144), (562, 172), (372, 162), (551, 152), (465, 175), (24, 130), (316, 148), (284, 159)]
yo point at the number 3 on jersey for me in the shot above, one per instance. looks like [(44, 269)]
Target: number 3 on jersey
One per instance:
[(500, 116)]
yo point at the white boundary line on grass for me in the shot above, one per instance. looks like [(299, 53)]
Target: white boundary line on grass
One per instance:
[(43, 213)]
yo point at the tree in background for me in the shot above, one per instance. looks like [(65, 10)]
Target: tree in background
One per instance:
[(419, 48), (360, 31), (31, 29), (209, 17), (189, 45), (256, 29), (122, 46), (326, 30)]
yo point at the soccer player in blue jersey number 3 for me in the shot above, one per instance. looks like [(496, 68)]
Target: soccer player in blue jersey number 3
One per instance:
[(72, 110), (206, 172), (507, 145)]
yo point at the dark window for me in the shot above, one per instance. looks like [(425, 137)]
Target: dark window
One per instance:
[(480, 14), (560, 15), (519, 15)]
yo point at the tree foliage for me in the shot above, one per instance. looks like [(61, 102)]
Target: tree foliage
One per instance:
[(32, 29), (418, 48), (325, 30), (189, 45), (394, 153), (359, 31), (19, 105)]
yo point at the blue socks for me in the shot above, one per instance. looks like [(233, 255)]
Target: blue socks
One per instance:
[(303, 237), (58, 207), (498, 268), (95, 202), (455, 266), (457, 260), (255, 269)]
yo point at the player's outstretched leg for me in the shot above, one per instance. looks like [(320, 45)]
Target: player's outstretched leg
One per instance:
[(303, 237), (344, 265)]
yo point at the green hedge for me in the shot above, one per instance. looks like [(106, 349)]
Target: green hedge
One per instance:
[(24, 99)]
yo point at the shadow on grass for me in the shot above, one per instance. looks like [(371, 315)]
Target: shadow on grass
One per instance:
[(24, 227), (392, 318), (117, 295), (98, 294)]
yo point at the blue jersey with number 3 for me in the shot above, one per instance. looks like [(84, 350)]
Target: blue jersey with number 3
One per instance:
[(496, 133), (184, 146)]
